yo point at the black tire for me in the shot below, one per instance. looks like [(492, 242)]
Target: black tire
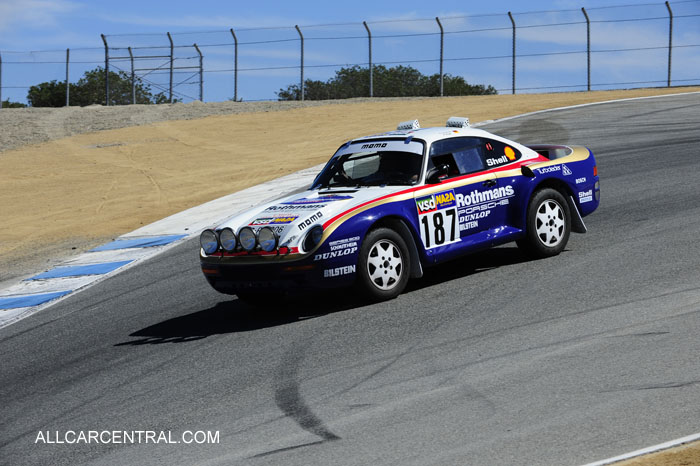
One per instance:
[(547, 225), (384, 265)]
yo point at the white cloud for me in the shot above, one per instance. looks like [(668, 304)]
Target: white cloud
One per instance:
[(33, 14)]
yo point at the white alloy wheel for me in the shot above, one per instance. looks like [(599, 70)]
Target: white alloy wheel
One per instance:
[(385, 264), (550, 223)]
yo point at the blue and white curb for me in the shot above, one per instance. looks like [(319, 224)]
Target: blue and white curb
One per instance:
[(41, 290)]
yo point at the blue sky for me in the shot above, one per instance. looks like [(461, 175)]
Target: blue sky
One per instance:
[(35, 33)]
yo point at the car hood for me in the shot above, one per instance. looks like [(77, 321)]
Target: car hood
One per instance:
[(292, 216)]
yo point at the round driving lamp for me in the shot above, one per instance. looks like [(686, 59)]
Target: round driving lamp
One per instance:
[(267, 238), (227, 239), (209, 241), (313, 237), (246, 236)]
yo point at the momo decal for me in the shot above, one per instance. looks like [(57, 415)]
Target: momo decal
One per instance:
[(338, 271), (376, 145), (273, 220), (309, 221), (316, 200), (585, 196), (479, 197)]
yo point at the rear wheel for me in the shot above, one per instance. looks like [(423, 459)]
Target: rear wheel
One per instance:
[(383, 265), (548, 224)]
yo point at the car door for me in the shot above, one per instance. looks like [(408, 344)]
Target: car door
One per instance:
[(475, 189)]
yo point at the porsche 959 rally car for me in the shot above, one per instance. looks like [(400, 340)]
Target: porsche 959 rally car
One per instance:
[(388, 206)]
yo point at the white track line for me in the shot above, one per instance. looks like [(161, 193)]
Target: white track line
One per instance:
[(646, 451)]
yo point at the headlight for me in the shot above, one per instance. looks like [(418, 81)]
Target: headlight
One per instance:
[(267, 239), (246, 236), (209, 241), (228, 241), (313, 237)]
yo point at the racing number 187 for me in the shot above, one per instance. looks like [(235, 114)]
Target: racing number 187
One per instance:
[(439, 227)]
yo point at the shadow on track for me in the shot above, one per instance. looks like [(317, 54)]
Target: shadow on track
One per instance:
[(469, 265), (233, 316)]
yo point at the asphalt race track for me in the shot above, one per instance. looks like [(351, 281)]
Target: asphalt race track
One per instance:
[(492, 359)]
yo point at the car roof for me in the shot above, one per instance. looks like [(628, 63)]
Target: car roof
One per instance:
[(430, 135)]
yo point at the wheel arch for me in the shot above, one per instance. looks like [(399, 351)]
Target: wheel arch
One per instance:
[(400, 226), (565, 190)]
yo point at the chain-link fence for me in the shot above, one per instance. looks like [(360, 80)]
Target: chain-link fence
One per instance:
[(616, 46)]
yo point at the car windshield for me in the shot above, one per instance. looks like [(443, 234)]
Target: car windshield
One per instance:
[(383, 168)]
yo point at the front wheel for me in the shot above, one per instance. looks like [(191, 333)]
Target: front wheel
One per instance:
[(548, 224), (383, 265)]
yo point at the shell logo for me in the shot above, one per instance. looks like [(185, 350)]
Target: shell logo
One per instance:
[(510, 153)]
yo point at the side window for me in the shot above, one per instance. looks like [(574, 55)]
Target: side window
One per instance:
[(462, 155), (498, 153)]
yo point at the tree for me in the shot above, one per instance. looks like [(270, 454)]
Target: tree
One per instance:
[(90, 89), (8, 104), (398, 81)]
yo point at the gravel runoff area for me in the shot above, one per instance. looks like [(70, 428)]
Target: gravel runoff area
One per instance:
[(21, 126)]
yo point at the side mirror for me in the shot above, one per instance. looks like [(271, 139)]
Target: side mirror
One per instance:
[(435, 173)]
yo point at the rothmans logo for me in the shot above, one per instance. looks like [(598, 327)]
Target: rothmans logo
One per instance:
[(478, 197)]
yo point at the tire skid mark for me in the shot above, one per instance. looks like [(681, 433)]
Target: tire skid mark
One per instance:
[(291, 402)]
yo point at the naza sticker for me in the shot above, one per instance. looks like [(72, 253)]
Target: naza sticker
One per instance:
[(436, 201)]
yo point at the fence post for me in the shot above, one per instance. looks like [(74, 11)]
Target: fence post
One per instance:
[(670, 41), (301, 87), (1, 82), (133, 77), (235, 66), (67, 73), (371, 73), (104, 39), (442, 48), (302, 61), (588, 45), (172, 61), (201, 73), (513, 22)]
